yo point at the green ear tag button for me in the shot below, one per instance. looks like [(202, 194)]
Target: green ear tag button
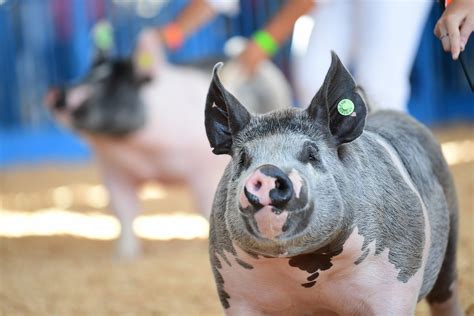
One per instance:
[(103, 35), (345, 107), (145, 61)]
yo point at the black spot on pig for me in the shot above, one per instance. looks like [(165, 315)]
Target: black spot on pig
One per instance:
[(254, 201), (223, 295), (314, 262), (299, 221), (362, 257), (313, 277), (298, 203), (220, 242), (309, 284), (244, 264)]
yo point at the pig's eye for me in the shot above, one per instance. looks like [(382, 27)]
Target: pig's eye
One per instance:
[(244, 159), (309, 154)]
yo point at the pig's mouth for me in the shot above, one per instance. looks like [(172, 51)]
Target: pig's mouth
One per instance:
[(280, 233), (280, 225)]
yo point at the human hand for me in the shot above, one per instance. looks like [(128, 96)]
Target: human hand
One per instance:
[(251, 58), (455, 26), (147, 39)]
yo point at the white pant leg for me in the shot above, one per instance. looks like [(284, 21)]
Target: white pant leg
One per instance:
[(332, 31), (388, 34)]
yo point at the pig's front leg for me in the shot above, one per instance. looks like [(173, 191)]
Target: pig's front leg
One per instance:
[(390, 302), (124, 203), (449, 307)]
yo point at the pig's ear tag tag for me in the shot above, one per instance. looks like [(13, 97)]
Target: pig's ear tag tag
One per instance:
[(103, 35), (145, 61), (346, 107)]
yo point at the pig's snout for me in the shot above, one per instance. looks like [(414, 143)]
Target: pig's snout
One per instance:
[(268, 198), (268, 185), (55, 99)]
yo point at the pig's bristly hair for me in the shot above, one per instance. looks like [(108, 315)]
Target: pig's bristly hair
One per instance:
[(227, 121)]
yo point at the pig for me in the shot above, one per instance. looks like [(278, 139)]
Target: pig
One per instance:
[(329, 211), (143, 124)]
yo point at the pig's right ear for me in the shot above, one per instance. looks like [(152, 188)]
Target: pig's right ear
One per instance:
[(224, 116)]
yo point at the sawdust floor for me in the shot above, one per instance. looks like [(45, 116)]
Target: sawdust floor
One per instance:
[(62, 275)]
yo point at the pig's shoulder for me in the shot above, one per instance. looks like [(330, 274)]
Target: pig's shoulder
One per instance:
[(392, 124), (423, 160), (413, 142)]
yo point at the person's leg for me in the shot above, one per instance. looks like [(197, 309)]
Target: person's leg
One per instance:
[(332, 31), (387, 40)]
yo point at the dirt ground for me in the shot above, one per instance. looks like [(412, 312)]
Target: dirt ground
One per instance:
[(64, 275)]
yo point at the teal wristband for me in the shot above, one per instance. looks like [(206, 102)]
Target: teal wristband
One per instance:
[(266, 42)]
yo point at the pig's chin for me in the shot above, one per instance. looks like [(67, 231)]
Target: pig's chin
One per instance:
[(280, 249), (304, 231), (273, 232), (277, 224)]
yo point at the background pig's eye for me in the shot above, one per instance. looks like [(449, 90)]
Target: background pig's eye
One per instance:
[(309, 154)]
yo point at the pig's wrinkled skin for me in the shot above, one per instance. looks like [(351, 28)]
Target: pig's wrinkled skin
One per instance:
[(143, 125), (324, 214)]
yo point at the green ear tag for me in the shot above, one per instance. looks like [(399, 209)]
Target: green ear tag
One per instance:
[(345, 107), (103, 35)]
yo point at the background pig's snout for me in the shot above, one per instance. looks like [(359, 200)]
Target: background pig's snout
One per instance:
[(268, 185), (55, 99)]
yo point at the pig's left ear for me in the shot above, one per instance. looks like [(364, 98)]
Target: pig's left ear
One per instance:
[(338, 105), (224, 116)]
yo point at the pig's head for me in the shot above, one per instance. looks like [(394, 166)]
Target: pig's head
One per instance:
[(107, 101), (285, 183)]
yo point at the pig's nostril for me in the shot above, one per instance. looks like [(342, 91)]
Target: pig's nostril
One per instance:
[(282, 192), (281, 185), (269, 185)]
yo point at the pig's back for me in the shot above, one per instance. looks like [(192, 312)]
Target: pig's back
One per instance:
[(421, 155)]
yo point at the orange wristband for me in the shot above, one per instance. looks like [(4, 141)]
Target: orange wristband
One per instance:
[(173, 36)]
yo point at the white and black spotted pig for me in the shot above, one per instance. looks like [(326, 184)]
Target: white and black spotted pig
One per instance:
[(321, 213), (146, 125)]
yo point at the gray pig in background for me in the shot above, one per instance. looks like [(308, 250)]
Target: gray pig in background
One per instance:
[(146, 125), (323, 213)]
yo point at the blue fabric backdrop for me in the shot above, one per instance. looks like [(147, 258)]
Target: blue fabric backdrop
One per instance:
[(47, 42)]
